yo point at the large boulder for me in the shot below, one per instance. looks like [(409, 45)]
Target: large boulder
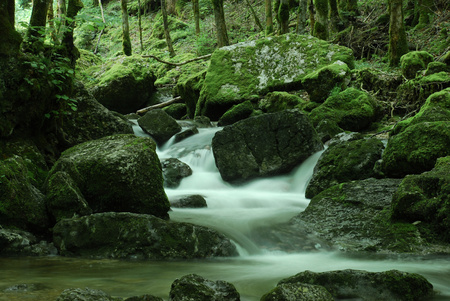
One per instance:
[(22, 204), (115, 173), (195, 287), (414, 61), (415, 149), (17, 242), (298, 291), (137, 236), (343, 162), (351, 109), (355, 216), (246, 70), (91, 120), (159, 125), (425, 199), (264, 145), (368, 286), (123, 84)]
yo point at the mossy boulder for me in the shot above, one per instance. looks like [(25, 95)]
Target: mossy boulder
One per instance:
[(236, 113), (245, 71), (158, 124), (343, 162), (189, 89), (436, 67), (264, 145), (383, 84), (351, 109), (115, 173), (425, 198), (22, 205), (196, 287), (176, 110), (435, 108), (414, 61), (389, 285), (137, 236), (123, 84), (278, 101), (320, 83), (415, 149), (298, 291)]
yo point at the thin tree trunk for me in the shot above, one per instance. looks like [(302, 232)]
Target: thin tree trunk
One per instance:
[(221, 28), (312, 15), (283, 16), (104, 22), (302, 16), (166, 28), (51, 23), (140, 25), (38, 20), (196, 9), (72, 52), (126, 42), (335, 19), (397, 36), (269, 18), (321, 25), (61, 15), (254, 15)]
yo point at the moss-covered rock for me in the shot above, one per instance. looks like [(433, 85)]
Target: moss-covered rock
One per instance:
[(436, 67), (22, 205), (435, 108), (236, 113), (388, 285), (88, 294), (243, 71), (343, 162), (383, 84), (176, 110), (414, 61), (264, 145), (189, 89), (159, 125), (320, 83), (415, 149), (279, 101), (137, 236), (425, 198), (123, 84), (351, 110), (298, 291), (116, 173), (195, 287), (17, 242)]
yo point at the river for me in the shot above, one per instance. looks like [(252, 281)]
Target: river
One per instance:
[(237, 211)]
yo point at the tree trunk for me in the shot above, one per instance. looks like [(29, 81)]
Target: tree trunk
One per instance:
[(61, 15), (51, 23), (302, 17), (126, 42), (171, 7), (196, 9), (397, 36), (425, 11), (38, 20), (283, 16), (321, 25), (269, 19), (166, 28), (312, 15), (10, 39), (221, 28), (335, 19), (71, 51), (255, 16), (104, 22), (140, 25)]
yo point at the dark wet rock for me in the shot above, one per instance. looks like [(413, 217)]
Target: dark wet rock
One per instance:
[(17, 242), (189, 201), (195, 287), (264, 145), (174, 171), (425, 201), (86, 294), (368, 286), (91, 120), (144, 298), (137, 236), (236, 113), (296, 292), (63, 197), (186, 133), (22, 204), (202, 122), (115, 173), (343, 162), (159, 125), (416, 148)]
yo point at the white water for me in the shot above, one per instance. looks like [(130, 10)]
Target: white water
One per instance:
[(236, 211)]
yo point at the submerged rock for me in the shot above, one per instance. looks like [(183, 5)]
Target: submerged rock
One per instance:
[(343, 162), (174, 171), (86, 294), (115, 173), (137, 236), (159, 125), (189, 201), (368, 286), (245, 71), (195, 287), (264, 145)]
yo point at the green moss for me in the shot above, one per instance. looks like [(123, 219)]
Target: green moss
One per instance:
[(414, 61), (279, 101), (236, 113)]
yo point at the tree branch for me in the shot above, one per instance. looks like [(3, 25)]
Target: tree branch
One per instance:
[(158, 106)]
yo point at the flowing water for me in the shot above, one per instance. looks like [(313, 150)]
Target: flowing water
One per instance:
[(237, 211)]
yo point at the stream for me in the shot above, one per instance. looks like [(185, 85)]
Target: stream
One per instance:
[(237, 212)]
